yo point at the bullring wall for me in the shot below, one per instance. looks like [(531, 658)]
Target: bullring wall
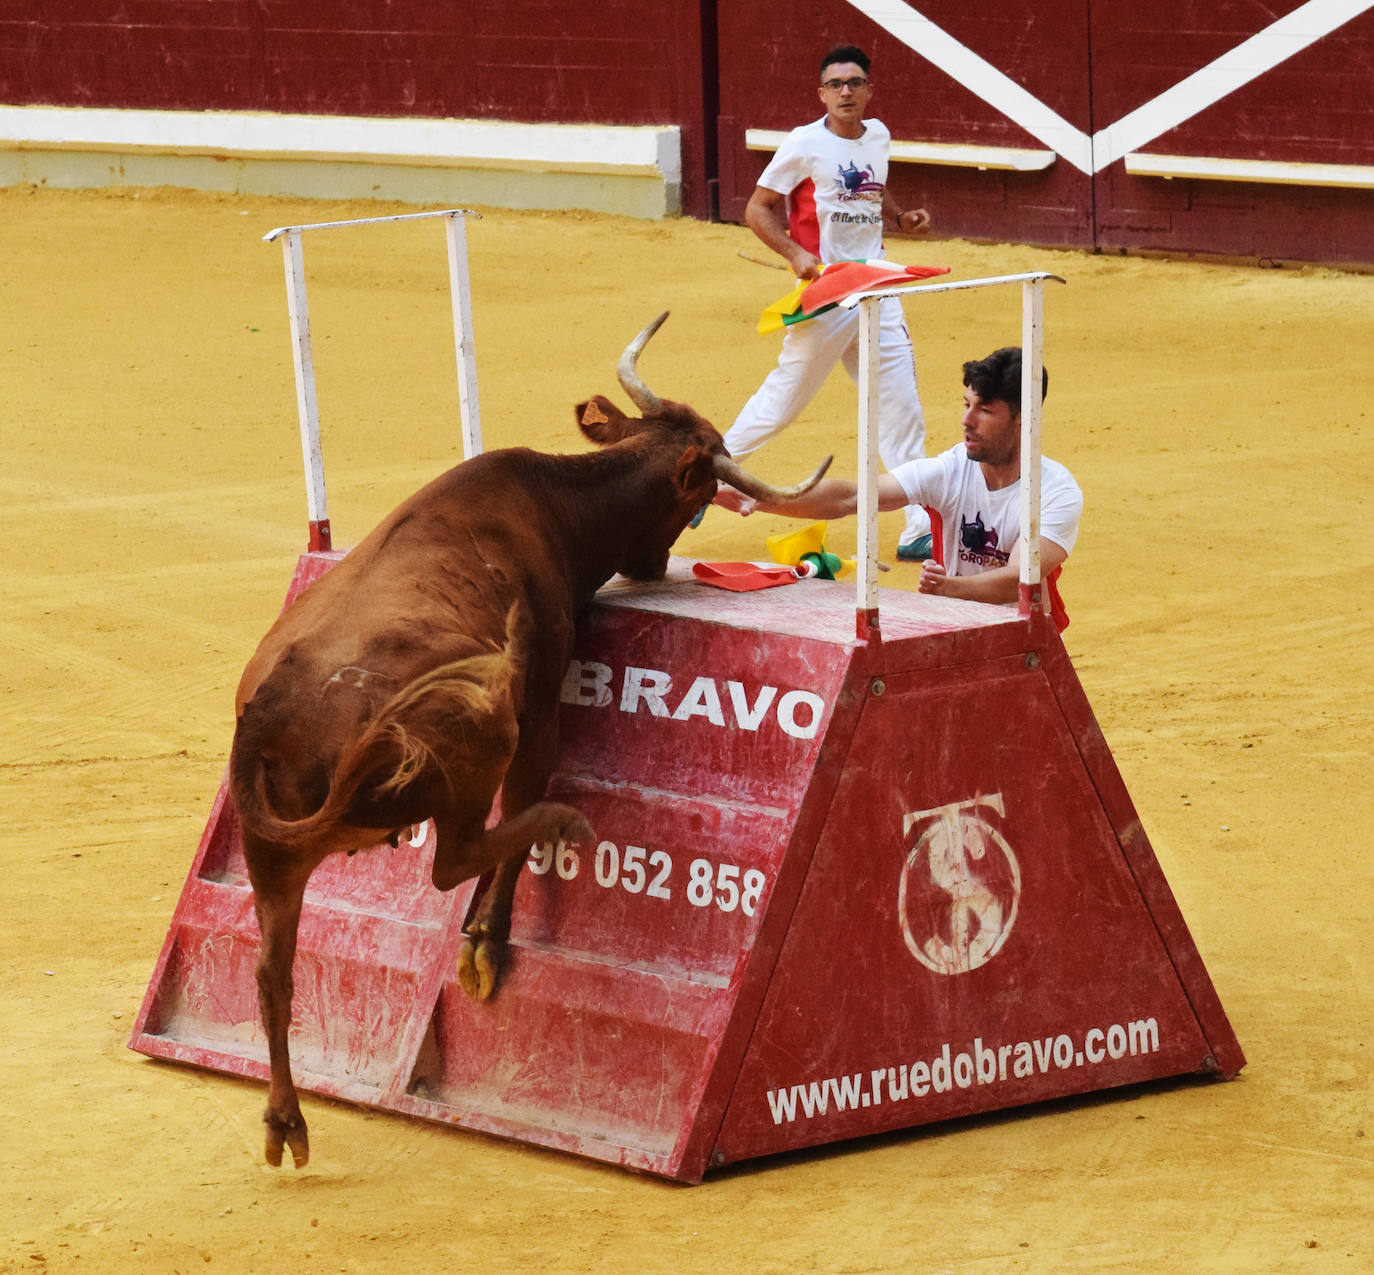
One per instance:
[(1226, 126)]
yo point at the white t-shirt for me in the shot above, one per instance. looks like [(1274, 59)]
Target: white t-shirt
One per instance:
[(978, 528), (834, 188)]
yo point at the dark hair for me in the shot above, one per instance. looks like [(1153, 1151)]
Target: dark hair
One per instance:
[(998, 377), (845, 53)]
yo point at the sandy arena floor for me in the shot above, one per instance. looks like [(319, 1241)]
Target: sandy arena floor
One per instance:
[(1219, 420)]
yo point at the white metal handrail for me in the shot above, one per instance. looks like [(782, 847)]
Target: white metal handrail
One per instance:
[(306, 402), (1032, 338)]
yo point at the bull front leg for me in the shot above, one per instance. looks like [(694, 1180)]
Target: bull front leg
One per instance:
[(487, 931), (277, 899), (527, 820), (502, 850)]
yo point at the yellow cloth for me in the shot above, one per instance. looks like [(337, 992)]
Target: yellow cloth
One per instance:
[(771, 318), (789, 547)]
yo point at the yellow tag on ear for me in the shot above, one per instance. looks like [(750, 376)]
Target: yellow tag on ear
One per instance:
[(593, 415)]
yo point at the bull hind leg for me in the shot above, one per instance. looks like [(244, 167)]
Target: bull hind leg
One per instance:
[(461, 855), (277, 899)]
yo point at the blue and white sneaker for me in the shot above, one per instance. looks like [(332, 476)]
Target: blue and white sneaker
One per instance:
[(919, 550)]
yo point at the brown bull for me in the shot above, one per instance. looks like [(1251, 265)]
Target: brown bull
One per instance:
[(421, 677)]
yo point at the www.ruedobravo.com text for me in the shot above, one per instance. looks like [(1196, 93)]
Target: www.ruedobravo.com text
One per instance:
[(979, 1064)]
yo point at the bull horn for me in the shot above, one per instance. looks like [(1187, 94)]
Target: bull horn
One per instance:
[(729, 472), (643, 397)]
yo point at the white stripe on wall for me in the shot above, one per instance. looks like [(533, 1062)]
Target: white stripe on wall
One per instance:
[(979, 76), (647, 150), (1250, 59), (1263, 51)]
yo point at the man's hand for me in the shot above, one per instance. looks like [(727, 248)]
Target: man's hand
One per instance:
[(805, 265), (933, 577), (735, 501), (914, 221)]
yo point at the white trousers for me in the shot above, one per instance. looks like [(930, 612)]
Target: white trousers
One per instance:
[(810, 351)]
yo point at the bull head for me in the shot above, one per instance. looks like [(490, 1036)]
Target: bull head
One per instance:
[(603, 422)]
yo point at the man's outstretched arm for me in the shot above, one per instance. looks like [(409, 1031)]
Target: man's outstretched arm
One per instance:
[(829, 498)]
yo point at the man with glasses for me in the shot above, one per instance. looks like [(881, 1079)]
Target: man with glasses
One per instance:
[(824, 198), (973, 494)]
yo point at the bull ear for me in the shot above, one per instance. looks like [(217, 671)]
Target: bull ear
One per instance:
[(695, 471), (601, 420)]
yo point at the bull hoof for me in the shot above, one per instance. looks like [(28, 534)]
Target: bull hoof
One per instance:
[(478, 967), (287, 1133)]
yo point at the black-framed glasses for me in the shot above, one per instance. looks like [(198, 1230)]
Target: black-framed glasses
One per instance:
[(853, 85)]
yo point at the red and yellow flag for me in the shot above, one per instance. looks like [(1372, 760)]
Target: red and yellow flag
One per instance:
[(838, 280)]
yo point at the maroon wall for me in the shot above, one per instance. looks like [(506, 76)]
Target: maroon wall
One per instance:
[(1092, 62), (716, 69), (614, 62), (1317, 107)]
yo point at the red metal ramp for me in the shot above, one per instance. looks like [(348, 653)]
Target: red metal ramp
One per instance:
[(832, 879), (373, 940)]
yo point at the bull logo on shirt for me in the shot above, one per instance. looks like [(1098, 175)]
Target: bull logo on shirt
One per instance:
[(975, 536), (979, 543), (858, 183)]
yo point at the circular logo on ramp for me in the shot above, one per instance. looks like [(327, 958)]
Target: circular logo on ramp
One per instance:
[(960, 887)]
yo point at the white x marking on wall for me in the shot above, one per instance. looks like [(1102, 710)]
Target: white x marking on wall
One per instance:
[(1250, 59)]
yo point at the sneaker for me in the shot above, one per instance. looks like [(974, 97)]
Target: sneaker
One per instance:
[(919, 550)]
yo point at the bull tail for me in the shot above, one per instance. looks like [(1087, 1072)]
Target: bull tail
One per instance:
[(466, 700)]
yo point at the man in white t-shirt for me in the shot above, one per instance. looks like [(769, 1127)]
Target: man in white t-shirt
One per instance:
[(972, 493), (824, 198)]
